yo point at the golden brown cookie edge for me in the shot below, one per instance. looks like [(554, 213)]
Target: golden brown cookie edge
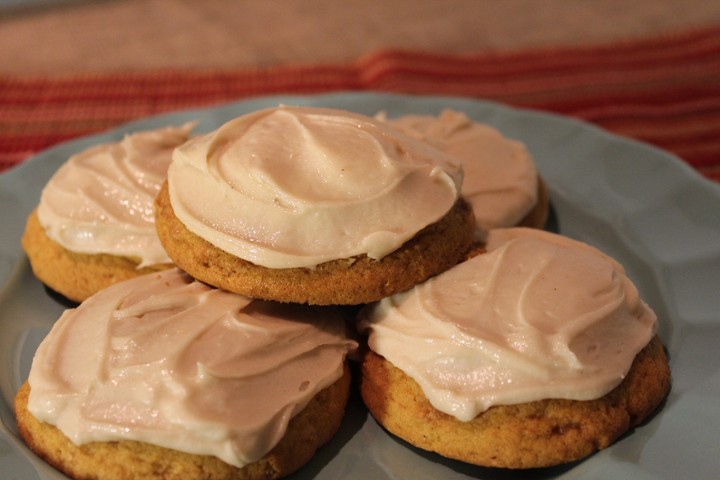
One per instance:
[(349, 281), (313, 427), (529, 435), (75, 275)]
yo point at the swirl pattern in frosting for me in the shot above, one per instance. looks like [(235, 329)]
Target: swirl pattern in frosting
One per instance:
[(101, 199), (298, 186), (167, 360), (500, 179), (538, 316)]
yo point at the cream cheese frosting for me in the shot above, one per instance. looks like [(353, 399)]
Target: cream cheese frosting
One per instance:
[(500, 178), (294, 187), (538, 316), (101, 199), (167, 360)]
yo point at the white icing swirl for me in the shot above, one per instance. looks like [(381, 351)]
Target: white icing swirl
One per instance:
[(500, 181), (538, 316), (166, 360), (295, 187), (101, 199)]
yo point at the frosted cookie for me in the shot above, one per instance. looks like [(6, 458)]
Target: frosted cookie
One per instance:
[(314, 206), (95, 225), (501, 182), (535, 353), (163, 377)]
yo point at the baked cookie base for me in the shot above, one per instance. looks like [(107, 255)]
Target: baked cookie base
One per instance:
[(528, 435), (311, 428), (76, 276), (350, 281)]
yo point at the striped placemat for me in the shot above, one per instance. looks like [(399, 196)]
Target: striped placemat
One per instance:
[(665, 91)]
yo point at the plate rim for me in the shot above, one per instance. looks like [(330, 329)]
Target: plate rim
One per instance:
[(12, 176)]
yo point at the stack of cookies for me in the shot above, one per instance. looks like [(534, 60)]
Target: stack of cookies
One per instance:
[(228, 359)]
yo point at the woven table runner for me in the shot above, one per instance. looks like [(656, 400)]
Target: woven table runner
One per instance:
[(664, 91)]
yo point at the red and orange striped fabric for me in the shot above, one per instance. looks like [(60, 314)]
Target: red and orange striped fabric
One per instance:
[(665, 91)]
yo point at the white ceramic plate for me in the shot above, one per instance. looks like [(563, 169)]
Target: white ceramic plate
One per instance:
[(639, 204)]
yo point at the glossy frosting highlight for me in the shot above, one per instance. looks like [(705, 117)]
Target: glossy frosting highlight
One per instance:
[(500, 179), (167, 360), (101, 199), (298, 186), (538, 316)]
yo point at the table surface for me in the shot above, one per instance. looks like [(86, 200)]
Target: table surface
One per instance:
[(58, 37), (647, 69)]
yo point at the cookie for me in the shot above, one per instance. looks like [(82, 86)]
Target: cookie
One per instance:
[(94, 224), (162, 376), (314, 426), (312, 205), (536, 351), (527, 435), (500, 181)]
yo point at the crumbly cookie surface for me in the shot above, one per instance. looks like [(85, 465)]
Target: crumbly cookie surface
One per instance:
[(118, 460), (348, 281), (75, 275), (529, 435)]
